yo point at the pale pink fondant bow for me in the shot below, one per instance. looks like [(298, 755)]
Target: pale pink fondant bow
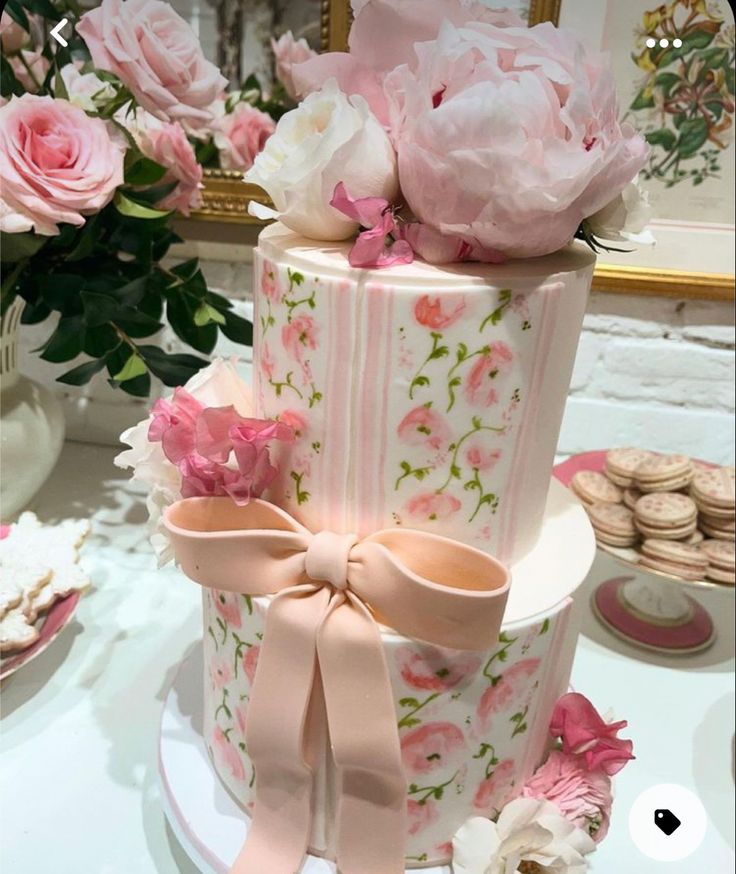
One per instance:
[(322, 660)]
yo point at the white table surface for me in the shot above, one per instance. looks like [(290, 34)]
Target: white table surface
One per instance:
[(79, 728)]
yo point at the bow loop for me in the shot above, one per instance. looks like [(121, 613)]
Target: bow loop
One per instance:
[(327, 556)]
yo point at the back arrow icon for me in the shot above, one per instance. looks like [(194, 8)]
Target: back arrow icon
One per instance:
[(55, 32)]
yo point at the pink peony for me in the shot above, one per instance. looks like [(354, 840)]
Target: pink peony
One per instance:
[(436, 313), (156, 54), (227, 754), (586, 734), (495, 790), (433, 669), (508, 692), (480, 458), (228, 606), (250, 662), (420, 815), (167, 144), (288, 51), (241, 135), (424, 748), (508, 137), (12, 36), (270, 282), (423, 427), (57, 164), (430, 506), (298, 335), (31, 70), (383, 36), (480, 389), (583, 797)]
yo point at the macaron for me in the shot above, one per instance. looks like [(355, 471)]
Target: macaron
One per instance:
[(720, 554), (630, 497), (613, 524), (593, 488), (621, 464), (721, 531), (678, 559), (715, 488), (666, 510), (663, 473)]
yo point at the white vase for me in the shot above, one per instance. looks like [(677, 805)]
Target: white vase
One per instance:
[(31, 424)]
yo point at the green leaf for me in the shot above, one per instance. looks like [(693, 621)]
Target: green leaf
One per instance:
[(8, 83), (186, 269), (132, 292), (127, 207), (237, 329), (133, 367), (17, 13), (60, 291), (666, 81), (181, 309), (100, 340), (81, 374), (66, 341), (172, 370), (662, 137), (693, 133), (144, 171), (59, 85), (151, 196), (205, 315), (140, 387), (16, 247), (43, 8), (642, 101), (98, 308), (136, 324), (35, 313)]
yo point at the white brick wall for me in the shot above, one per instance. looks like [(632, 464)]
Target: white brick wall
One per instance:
[(652, 371)]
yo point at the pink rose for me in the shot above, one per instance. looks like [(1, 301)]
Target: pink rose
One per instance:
[(298, 335), (509, 691), (495, 790), (12, 36), (227, 753), (480, 389), (57, 164), (586, 734), (294, 420), (228, 606), (430, 506), (221, 673), (241, 135), (423, 427), (583, 796), (288, 51), (250, 662), (424, 748), (520, 124), (156, 54), (420, 815), (31, 70), (480, 458), (433, 669), (434, 312), (166, 143), (270, 285)]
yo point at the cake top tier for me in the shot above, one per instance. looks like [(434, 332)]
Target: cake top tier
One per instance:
[(331, 260)]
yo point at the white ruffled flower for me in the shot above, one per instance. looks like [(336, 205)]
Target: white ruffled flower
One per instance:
[(328, 138), (217, 385), (528, 830), (86, 90), (625, 218)]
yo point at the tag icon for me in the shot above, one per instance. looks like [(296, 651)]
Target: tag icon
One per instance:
[(666, 821)]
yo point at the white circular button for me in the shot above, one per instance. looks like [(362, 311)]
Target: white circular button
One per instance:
[(667, 822)]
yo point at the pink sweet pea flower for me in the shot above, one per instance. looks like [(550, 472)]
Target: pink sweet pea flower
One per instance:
[(586, 734), (371, 248), (435, 313), (174, 424)]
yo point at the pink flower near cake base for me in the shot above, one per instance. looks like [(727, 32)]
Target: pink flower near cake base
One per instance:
[(422, 426), (227, 754), (586, 734), (425, 748), (420, 816), (583, 797), (270, 282), (494, 791), (508, 691), (298, 335), (436, 313), (288, 51), (174, 424), (430, 506), (156, 54), (480, 388), (226, 604), (294, 420), (221, 673), (433, 669), (57, 164), (241, 135), (250, 662), (480, 458)]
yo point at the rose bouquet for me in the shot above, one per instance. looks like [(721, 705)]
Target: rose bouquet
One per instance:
[(101, 144), (452, 131)]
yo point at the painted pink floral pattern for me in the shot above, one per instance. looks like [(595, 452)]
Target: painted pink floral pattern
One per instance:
[(455, 766), (422, 426), (480, 383), (226, 604), (270, 285), (431, 506), (433, 312)]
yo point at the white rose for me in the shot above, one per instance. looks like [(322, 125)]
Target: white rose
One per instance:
[(86, 90), (328, 138), (625, 218), (527, 830)]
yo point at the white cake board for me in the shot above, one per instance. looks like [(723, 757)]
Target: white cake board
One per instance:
[(207, 822)]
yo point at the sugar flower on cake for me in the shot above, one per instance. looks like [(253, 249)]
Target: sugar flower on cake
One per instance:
[(527, 830), (329, 138)]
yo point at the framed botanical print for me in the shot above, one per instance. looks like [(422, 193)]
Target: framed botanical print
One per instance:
[(674, 67)]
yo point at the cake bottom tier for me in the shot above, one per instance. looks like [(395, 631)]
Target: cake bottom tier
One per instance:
[(473, 726)]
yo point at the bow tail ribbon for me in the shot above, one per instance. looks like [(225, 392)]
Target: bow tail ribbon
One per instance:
[(307, 631)]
